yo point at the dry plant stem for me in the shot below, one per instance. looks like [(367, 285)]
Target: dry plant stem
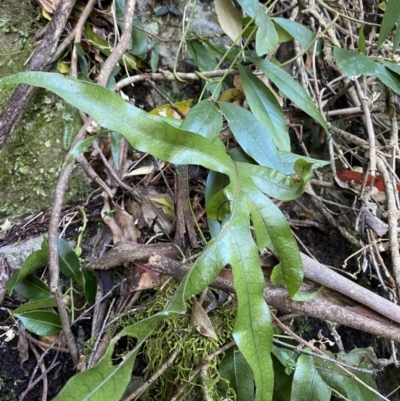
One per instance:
[(327, 305), (62, 184), (394, 136), (43, 370), (122, 47), (54, 271), (316, 201), (168, 363), (198, 368), (392, 216), (78, 36), (19, 101), (370, 129), (169, 76), (318, 351)]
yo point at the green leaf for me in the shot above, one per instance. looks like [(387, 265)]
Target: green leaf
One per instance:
[(266, 108), (286, 357), (390, 79), (67, 258), (297, 31), (282, 381), (116, 139), (266, 37), (291, 89), (345, 385), (90, 287), (396, 39), (31, 287), (256, 141), (35, 305), (361, 40), (306, 296), (155, 54), (353, 64), (273, 230), (307, 382), (127, 60), (42, 323), (104, 382), (392, 14), (250, 7), (151, 134), (236, 370), (37, 259), (204, 119), (139, 38)]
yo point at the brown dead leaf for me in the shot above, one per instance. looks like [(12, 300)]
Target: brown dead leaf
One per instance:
[(49, 5), (201, 321), (23, 346), (120, 222)]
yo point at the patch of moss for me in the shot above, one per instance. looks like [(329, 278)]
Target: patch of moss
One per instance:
[(177, 332), (31, 159)]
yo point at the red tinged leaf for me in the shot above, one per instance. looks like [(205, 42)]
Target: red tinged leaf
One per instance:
[(348, 176)]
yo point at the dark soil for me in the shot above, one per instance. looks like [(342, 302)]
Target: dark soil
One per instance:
[(14, 378)]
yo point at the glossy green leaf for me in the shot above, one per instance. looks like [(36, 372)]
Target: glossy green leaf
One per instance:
[(139, 38), (282, 381), (42, 323), (338, 380), (34, 261), (235, 369), (202, 55), (36, 305), (286, 357), (250, 7), (297, 31), (31, 287), (392, 14), (256, 141), (353, 64), (204, 119), (290, 88), (266, 108), (67, 258), (273, 230), (266, 37), (307, 382), (104, 382), (390, 79)]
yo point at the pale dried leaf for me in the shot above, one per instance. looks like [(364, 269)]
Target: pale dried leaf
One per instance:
[(230, 19), (201, 321)]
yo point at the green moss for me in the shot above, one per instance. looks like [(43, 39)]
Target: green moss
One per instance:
[(193, 349), (31, 159)]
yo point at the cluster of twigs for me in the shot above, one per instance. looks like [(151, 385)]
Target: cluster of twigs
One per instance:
[(376, 149)]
